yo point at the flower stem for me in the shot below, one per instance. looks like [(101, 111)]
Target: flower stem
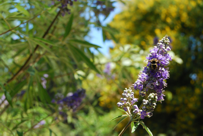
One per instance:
[(124, 129)]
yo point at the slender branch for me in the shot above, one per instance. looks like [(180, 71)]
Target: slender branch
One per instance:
[(29, 58), (5, 108), (20, 24), (39, 56)]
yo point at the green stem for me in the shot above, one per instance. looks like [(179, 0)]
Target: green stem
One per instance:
[(124, 129)]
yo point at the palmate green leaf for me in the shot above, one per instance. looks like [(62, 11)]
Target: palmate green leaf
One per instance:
[(82, 56), (7, 94), (68, 27), (22, 10), (146, 128), (134, 126), (84, 43)]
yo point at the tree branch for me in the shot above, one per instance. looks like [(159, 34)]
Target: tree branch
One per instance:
[(19, 25), (29, 58)]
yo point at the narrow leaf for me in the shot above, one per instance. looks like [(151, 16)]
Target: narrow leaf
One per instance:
[(117, 117), (7, 94), (122, 110), (42, 45), (43, 95), (146, 128), (68, 27), (80, 54), (50, 132), (84, 43), (134, 126), (22, 10), (16, 126), (31, 71), (29, 92), (44, 41), (122, 2), (17, 88), (120, 121), (20, 133)]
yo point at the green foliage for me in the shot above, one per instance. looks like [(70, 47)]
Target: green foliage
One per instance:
[(37, 41)]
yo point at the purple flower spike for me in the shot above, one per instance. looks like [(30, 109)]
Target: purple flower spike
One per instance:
[(151, 82), (154, 74), (71, 101), (127, 101), (64, 6)]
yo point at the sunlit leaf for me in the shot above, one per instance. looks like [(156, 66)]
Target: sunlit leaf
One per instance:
[(82, 56), (46, 47), (84, 43), (22, 10), (44, 41), (134, 126), (118, 117), (146, 128), (120, 121), (68, 27), (43, 94), (20, 133), (17, 88)]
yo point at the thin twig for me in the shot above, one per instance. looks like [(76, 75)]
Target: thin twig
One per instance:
[(37, 123), (39, 56), (20, 24), (5, 108)]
